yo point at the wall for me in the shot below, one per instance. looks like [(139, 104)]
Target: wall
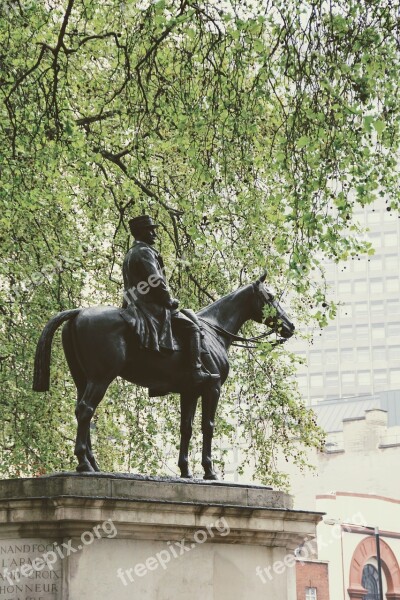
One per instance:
[(312, 574)]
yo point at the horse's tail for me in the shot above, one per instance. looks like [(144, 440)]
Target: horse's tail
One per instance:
[(41, 375)]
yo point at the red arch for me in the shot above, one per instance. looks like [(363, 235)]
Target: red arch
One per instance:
[(365, 550)]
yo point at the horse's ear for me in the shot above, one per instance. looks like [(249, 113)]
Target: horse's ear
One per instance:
[(262, 278)]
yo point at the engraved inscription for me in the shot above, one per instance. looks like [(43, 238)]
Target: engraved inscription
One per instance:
[(28, 570)]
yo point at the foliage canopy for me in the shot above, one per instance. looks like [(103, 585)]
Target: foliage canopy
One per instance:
[(250, 130)]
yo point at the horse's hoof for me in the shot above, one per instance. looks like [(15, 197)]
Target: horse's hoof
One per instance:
[(211, 476), (85, 467), (186, 475), (94, 465)]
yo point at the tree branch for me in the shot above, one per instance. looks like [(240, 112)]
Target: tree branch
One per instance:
[(116, 159), (96, 118), (160, 39)]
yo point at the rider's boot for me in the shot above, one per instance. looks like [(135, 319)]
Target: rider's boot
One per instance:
[(199, 374)]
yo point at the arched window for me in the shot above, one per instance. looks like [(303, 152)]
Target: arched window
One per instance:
[(370, 581)]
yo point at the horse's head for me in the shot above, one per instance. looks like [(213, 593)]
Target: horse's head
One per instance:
[(277, 318)]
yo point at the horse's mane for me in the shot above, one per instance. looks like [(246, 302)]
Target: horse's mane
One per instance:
[(210, 308)]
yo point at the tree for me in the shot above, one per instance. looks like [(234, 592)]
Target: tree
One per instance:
[(250, 130)]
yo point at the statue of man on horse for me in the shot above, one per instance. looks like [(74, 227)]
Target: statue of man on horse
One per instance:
[(99, 346), (148, 304)]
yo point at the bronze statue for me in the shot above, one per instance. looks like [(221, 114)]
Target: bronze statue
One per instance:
[(149, 306), (99, 346)]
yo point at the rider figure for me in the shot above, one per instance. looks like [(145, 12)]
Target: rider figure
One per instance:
[(146, 287)]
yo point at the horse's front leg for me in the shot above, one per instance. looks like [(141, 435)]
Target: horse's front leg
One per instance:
[(188, 410), (210, 399)]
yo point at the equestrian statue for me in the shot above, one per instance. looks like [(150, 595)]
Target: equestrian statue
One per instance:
[(151, 343)]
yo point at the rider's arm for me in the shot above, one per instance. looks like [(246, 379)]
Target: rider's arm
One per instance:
[(152, 276)]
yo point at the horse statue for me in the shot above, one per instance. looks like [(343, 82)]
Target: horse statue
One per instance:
[(100, 346)]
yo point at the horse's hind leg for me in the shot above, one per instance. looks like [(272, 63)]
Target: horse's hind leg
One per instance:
[(188, 410), (92, 396), (79, 379), (89, 453), (209, 405)]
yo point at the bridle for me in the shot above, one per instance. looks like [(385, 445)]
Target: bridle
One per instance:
[(239, 338)]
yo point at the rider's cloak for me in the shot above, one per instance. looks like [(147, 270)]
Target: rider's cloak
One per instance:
[(146, 297)]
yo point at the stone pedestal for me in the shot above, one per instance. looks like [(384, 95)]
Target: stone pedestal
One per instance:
[(101, 536)]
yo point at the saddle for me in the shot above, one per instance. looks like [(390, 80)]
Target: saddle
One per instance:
[(139, 324), (190, 314), (133, 317)]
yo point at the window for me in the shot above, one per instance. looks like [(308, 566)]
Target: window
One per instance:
[(344, 287), (331, 357), (377, 308), (348, 378), (362, 356), (378, 331), (376, 286), (380, 380), (394, 352), (392, 262), (370, 581), (392, 284), (347, 355), (376, 240), (393, 307), (345, 311), (360, 286), (375, 264), (361, 309), (311, 593), (315, 358), (330, 333), (360, 265), (302, 381), (364, 378), (394, 378), (316, 381), (390, 239), (379, 353), (332, 380), (362, 333), (373, 217), (346, 333), (393, 330)]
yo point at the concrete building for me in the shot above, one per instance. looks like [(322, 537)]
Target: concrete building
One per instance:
[(347, 542), (352, 379), (359, 352), (356, 485), (359, 458)]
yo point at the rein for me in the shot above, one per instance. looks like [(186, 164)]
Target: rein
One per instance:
[(239, 338)]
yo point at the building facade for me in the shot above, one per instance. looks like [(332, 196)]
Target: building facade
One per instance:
[(359, 352), (312, 580), (347, 541), (356, 485)]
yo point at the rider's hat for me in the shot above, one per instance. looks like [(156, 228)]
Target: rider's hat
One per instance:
[(141, 222)]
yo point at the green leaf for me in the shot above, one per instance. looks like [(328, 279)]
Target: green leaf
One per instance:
[(379, 126), (303, 141)]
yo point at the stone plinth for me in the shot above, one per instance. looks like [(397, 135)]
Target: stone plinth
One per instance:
[(74, 536)]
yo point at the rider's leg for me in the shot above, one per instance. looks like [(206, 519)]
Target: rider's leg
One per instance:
[(192, 335)]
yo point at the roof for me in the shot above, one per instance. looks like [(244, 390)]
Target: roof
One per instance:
[(331, 413)]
